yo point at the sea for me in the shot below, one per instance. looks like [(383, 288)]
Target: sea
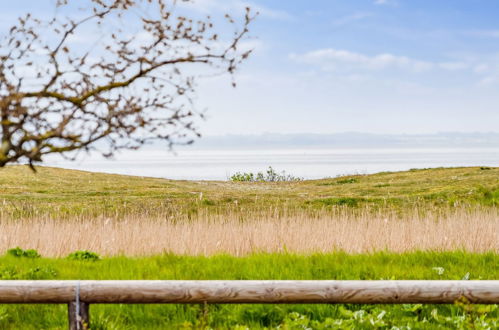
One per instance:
[(306, 163)]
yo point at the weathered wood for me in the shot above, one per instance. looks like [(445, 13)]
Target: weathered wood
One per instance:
[(78, 320), (288, 292)]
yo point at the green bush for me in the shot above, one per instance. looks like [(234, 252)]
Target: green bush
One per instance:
[(84, 256), (243, 177), (18, 252), (269, 176)]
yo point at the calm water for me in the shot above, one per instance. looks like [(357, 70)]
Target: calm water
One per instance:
[(309, 164)]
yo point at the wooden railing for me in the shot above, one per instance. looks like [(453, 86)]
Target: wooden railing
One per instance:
[(79, 294)]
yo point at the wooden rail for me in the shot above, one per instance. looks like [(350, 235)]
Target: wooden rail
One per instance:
[(79, 294)]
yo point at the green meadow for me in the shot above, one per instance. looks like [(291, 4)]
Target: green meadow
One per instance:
[(340, 266)]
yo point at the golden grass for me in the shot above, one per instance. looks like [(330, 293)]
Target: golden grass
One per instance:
[(472, 231)]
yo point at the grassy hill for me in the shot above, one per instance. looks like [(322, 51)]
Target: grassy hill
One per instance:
[(65, 193)]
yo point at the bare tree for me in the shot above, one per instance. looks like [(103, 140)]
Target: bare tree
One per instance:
[(120, 90)]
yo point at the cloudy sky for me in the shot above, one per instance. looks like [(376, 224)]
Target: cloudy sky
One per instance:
[(385, 66), (378, 66)]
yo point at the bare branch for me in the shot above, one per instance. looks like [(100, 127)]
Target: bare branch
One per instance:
[(129, 89)]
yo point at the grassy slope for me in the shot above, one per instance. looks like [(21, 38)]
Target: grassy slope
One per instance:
[(259, 266), (61, 193)]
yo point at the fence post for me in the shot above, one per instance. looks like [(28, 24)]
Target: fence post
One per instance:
[(81, 321)]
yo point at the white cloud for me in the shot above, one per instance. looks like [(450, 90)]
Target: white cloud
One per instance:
[(351, 18), (489, 80), (453, 66), (208, 6), (332, 59), (481, 68)]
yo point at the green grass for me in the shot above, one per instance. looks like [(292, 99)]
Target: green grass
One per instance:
[(419, 265), (65, 193)]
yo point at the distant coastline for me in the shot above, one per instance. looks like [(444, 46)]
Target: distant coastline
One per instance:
[(348, 140)]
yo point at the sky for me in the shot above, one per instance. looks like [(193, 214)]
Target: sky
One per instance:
[(364, 65), (330, 66)]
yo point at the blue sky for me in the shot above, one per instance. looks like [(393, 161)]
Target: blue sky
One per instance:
[(328, 66), (371, 66)]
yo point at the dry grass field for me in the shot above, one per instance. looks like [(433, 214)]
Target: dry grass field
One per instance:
[(475, 231)]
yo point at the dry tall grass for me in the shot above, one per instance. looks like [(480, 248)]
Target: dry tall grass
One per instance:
[(473, 231)]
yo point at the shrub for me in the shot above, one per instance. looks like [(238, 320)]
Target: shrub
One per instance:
[(18, 252), (243, 177), (269, 176), (84, 256), (37, 273)]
